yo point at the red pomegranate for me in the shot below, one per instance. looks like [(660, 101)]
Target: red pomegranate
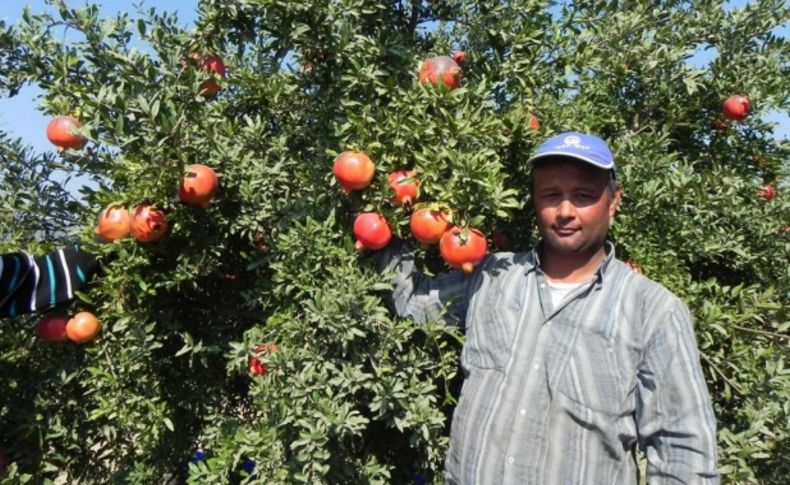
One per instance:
[(113, 223), (148, 224), (371, 231), (405, 186), (258, 368), (534, 122), (61, 131), (463, 248), (459, 57), (768, 192), (52, 327), (198, 186), (736, 107), (441, 70), (83, 327), (211, 63), (428, 225), (353, 170)]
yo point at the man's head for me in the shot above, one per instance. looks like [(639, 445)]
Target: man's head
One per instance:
[(574, 193)]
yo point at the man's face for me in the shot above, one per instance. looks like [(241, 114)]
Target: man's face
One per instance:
[(573, 206)]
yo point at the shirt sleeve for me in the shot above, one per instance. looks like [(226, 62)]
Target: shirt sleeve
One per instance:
[(420, 297), (36, 284), (674, 414)]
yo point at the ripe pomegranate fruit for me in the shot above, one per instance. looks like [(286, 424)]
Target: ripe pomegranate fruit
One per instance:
[(52, 327), (428, 225), (211, 63), (353, 170), (459, 57), (148, 224), (767, 192), (83, 327), (405, 186), (61, 131), (371, 231), (258, 368), (440, 70), (736, 107), (113, 223), (198, 186), (534, 122), (463, 248)]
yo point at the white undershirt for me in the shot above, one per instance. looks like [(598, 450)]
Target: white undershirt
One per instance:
[(560, 290)]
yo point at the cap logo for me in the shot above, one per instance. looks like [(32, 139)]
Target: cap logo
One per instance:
[(572, 140)]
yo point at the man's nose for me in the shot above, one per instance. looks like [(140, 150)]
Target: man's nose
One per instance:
[(566, 210)]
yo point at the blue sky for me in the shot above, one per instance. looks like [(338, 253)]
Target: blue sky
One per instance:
[(20, 117)]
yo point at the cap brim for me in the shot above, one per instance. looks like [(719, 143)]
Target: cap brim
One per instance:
[(571, 156)]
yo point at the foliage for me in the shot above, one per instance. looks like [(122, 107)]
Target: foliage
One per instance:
[(353, 394)]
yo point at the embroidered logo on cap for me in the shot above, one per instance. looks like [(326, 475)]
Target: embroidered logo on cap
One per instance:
[(572, 140)]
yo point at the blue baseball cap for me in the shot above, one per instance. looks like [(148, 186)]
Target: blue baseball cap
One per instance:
[(579, 146)]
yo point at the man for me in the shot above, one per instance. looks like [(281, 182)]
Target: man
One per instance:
[(572, 359), (36, 284)]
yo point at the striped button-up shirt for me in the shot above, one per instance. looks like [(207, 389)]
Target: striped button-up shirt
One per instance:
[(564, 395)]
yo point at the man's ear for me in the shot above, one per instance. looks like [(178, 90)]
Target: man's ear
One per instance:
[(615, 202)]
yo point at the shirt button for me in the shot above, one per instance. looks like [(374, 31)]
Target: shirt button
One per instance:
[(522, 411), (543, 285), (548, 323), (536, 366), (510, 460), (609, 349)]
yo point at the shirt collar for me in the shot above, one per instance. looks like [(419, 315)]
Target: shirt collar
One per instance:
[(533, 261)]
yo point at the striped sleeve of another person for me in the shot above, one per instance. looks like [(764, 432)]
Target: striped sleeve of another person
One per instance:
[(36, 284)]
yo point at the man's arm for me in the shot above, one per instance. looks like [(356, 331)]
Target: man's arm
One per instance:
[(675, 420), (36, 284), (420, 297)]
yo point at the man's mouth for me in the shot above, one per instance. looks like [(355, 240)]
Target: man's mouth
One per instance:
[(565, 231)]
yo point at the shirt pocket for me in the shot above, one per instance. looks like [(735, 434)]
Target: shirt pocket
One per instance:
[(593, 375)]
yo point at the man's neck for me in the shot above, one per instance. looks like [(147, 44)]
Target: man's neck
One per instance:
[(571, 268)]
